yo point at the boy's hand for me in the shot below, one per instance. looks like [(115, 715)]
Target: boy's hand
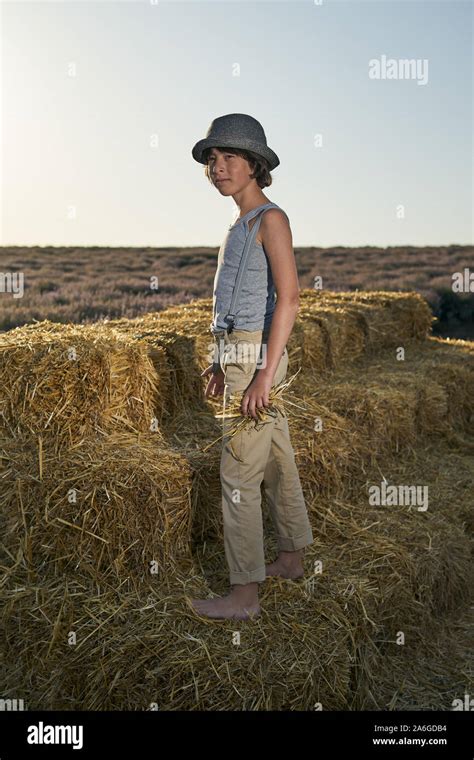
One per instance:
[(257, 395), (215, 386)]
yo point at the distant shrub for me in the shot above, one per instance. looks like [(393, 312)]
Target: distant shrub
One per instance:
[(47, 286), (455, 306)]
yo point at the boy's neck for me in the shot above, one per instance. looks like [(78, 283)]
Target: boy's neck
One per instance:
[(247, 204)]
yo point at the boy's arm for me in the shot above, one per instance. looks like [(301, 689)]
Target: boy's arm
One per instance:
[(278, 243)]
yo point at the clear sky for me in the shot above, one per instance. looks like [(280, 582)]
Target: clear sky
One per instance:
[(102, 103)]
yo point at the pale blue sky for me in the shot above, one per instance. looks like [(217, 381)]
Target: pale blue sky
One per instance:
[(81, 144)]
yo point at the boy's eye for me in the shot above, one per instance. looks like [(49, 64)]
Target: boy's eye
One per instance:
[(227, 155)]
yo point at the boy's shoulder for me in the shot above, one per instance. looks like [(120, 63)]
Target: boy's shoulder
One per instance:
[(274, 221), (270, 219), (274, 216)]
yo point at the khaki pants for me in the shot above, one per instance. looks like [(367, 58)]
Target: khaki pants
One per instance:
[(266, 454)]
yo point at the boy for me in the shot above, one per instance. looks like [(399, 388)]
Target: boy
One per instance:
[(238, 162)]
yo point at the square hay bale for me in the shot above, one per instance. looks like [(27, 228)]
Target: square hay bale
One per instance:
[(392, 318), (206, 495), (178, 357), (431, 392), (69, 382), (402, 568), (340, 429), (107, 509), (75, 645), (413, 677), (332, 336)]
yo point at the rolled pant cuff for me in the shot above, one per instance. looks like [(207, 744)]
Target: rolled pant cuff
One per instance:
[(288, 544), (254, 576)]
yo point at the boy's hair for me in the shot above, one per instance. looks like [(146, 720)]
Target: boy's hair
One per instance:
[(258, 165)]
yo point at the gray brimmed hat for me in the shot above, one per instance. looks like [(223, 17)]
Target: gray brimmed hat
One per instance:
[(236, 130)]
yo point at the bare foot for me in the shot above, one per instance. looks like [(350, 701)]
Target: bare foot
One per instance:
[(237, 605), (287, 565)]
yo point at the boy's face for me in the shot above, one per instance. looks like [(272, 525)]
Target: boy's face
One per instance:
[(228, 172)]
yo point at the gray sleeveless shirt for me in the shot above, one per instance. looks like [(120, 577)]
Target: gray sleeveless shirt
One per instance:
[(257, 301)]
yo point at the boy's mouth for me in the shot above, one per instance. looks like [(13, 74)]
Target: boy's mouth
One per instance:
[(218, 181)]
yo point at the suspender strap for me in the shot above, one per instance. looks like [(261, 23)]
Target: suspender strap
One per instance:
[(230, 318)]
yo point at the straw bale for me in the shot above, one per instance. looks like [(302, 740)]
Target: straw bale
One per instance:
[(135, 650), (332, 336), (419, 562), (419, 677), (107, 384), (437, 388), (107, 509), (318, 642), (166, 656), (392, 318), (178, 355)]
